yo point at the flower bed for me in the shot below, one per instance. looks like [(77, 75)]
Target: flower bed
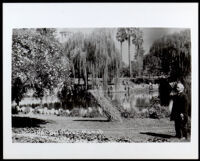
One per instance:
[(42, 135)]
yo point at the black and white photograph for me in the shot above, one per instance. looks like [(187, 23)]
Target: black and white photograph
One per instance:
[(82, 84), (101, 85)]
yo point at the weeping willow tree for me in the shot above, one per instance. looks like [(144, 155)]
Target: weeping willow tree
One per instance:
[(173, 56), (174, 53), (93, 56), (106, 57), (74, 50)]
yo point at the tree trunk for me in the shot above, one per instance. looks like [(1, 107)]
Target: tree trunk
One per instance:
[(121, 54), (79, 78), (86, 80), (17, 102), (93, 77), (117, 74), (41, 102), (129, 55), (105, 77)]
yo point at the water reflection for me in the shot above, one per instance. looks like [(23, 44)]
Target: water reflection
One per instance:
[(137, 97), (137, 100)]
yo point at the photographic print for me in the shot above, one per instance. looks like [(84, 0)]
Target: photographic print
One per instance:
[(101, 85), (100, 80)]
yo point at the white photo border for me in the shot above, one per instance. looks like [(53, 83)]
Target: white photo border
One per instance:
[(69, 15)]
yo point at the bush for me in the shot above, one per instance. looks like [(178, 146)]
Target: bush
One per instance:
[(157, 111), (75, 112), (51, 105), (131, 113), (34, 105), (94, 113), (189, 125), (142, 103), (57, 105), (187, 84), (18, 89), (14, 110), (164, 91), (45, 105), (144, 114), (151, 109)]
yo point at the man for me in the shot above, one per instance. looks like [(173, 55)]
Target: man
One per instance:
[(180, 111)]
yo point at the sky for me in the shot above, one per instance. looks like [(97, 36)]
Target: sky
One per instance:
[(149, 36)]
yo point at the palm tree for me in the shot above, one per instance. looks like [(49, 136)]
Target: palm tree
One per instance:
[(129, 34), (134, 34), (137, 40), (121, 37)]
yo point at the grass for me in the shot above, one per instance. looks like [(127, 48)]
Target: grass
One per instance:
[(135, 130)]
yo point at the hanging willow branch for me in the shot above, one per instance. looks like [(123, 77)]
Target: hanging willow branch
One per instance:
[(94, 54)]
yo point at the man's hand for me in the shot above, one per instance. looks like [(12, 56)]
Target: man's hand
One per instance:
[(182, 116)]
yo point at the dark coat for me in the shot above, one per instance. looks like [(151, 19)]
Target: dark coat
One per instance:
[(180, 105)]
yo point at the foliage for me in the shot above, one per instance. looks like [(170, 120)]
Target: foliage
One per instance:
[(124, 72), (152, 65), (93, 56), (72, 95), (170, 55), (66, 94), (164, 92), (37, 59), (136, 36), (121, 37), (18, 90)]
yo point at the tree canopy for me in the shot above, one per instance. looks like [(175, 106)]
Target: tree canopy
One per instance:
[(171, 56), (37, 59), (94, 54), (134, 35)]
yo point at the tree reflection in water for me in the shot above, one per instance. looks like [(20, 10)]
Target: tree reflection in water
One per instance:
[(136, 100)]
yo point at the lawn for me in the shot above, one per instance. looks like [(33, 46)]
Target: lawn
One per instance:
[(130, 130)]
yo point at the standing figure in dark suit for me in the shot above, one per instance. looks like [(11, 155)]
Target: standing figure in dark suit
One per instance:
[(180, 111)]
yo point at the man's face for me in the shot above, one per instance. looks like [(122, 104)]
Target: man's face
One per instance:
[(179, 88)]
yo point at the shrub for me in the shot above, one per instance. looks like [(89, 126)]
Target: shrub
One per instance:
[(14, 110), (75, 112), (45, 105), (142, 103), (151, 109), (34, 105), (51, 105), (131, 113), (187, 83), (164, 91), (157, 111), (18, 89), (57, 105), (94, 113), (72, 95)]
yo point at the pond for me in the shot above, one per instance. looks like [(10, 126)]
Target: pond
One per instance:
[(135, 99), (138, 98)]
